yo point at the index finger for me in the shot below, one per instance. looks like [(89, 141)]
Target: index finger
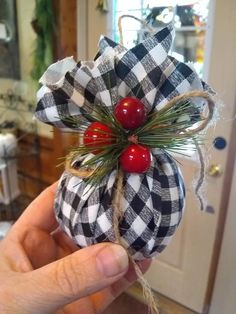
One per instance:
[(40, 213)]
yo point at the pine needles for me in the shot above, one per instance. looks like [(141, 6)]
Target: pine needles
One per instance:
[(166, 129)]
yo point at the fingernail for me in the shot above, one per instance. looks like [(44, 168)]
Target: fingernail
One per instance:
[(112, 260)]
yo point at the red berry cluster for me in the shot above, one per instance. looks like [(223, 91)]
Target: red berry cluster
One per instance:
[(131, 113), (98, 134)]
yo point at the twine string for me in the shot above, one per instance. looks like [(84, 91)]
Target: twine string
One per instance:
[(187, 96), (205, 122), (84, 173), (117, 205), (75, 170), (120, 28), (118, 193), (118, 214), (148, 295), (201, 176)]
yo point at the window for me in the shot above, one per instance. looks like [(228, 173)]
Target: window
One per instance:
[(189, 18)]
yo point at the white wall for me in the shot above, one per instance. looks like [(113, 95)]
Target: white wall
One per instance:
[(91, 25)]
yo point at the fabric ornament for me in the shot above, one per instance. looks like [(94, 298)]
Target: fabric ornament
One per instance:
[(131, 110)]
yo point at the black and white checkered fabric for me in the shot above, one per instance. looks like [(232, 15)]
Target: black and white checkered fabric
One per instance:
[(153, 202), (152, 205)]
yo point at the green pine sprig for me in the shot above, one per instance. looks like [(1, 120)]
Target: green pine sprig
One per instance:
[(166, 129)]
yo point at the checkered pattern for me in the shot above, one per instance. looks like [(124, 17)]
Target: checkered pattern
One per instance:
[(145, 71), (152, 206), (153, 202)]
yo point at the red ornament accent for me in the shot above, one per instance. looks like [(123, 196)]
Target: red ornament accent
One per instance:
[(130, 112), (135, 158), (98, 135)]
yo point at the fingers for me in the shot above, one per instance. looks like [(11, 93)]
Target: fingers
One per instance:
[(75, 276), (40, 247), (64, 242), (131, 275), (40, 212), (13, 258), (104, 298), (43, 248)]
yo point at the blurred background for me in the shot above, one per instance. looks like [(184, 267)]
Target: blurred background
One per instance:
[(195, 274)]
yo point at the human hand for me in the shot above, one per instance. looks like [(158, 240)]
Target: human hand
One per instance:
[(43, 271)]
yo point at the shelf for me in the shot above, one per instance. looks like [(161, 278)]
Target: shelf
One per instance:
[(190, 28)]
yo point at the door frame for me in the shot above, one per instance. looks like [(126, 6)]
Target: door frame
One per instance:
[(224, 270)]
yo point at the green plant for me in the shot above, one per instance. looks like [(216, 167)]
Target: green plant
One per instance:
[(44, 27)]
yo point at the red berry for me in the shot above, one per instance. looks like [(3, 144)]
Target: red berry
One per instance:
[(98, 135), (135, 158), (130, 112)]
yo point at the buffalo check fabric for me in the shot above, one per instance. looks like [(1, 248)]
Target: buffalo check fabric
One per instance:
[(145, 71), (153, 202)]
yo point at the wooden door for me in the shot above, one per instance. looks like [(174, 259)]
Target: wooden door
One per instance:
[(65, 44), (185, 271), (223, 299)]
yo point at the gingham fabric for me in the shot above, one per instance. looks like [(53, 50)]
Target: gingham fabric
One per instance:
[(152, 202), (152, 206)]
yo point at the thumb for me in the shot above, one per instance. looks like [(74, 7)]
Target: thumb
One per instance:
[(75, 276)]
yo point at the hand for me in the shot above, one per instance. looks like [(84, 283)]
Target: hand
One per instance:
[(43, 271)]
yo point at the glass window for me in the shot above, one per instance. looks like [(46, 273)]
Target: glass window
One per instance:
[(188, 16)]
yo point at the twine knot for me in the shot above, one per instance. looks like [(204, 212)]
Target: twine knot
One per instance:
[(133, 139)]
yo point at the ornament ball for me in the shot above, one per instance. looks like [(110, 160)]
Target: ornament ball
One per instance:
[(135, 158), (98, 135), (130, 112)]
